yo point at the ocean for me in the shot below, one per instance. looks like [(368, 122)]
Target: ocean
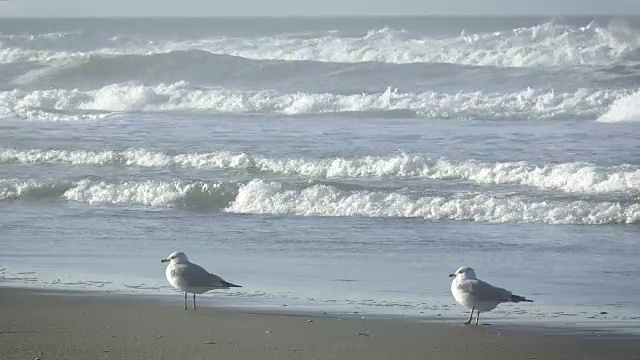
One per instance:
[(331, 164)]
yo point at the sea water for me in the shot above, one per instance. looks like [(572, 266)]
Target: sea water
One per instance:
[(328, 163)]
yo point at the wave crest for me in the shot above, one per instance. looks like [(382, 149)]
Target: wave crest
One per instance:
[(567, 177), (623, 109), (546, 44), (261, 197), (180, 96), (188, 194)]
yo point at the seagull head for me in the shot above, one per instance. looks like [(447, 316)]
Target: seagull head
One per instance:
[(177, 257), (465, 272)]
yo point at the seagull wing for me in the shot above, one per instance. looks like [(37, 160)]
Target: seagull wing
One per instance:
[(484, 291), (195, 275)]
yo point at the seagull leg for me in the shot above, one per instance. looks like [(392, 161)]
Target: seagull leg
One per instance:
[(185, 301), (477, 317), (194, 301), (470, 317)]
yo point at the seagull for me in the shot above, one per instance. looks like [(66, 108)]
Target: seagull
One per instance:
[(192, 278), (478, 295)]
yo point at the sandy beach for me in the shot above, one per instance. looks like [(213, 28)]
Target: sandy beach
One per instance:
[(74, 325)]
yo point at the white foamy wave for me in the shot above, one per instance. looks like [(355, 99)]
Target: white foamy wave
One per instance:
[(547, 44), (53, 115), (623, 109), (568, 177), (52, 35), (10, 55), (13, 189), (526, 104), (260, 197), (147, 193), (195, 194)]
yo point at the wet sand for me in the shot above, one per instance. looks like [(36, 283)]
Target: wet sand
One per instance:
[(69, 325)]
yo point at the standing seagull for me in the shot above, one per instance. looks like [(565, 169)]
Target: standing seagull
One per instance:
[(478, 295), (192, 278)]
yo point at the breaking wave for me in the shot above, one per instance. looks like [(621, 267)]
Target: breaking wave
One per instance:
[(567, 177), (623, 109), (547, 44), (192, 194), (274, 198), (260, 197), (527, 104)]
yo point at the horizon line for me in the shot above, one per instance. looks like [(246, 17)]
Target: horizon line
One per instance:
[(200, 17)]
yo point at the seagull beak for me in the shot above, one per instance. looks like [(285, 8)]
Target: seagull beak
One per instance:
[(164, 260), (452, 275)]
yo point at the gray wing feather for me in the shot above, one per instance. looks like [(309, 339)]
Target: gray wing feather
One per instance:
[(484, 291), (195, 275)]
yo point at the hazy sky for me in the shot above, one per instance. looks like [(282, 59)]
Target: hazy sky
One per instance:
[(93, 8)]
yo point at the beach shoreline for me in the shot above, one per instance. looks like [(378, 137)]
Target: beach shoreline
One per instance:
[(53, 325), (574, 321)]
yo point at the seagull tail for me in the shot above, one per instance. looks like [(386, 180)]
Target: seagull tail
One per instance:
[(228, 284), (518, 298)]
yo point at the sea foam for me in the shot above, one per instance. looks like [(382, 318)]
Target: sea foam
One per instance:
[(260, 197), (546, 44), (528, 104), (274, 198), (623, 109), (567, 177)]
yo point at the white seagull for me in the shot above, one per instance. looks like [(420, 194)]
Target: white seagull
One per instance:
[(478, 295), (192, 278)]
